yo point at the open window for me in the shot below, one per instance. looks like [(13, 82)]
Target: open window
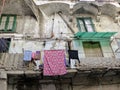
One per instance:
[(85, 25), (7, 23), (4, 44), (92, 49)]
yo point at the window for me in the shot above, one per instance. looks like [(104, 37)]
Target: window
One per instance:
[(85, 25), (92, 49), (7, 23), (4, 44)]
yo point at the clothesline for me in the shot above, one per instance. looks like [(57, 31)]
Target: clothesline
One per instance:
[(59, 39), (43, 39), (54, 61)]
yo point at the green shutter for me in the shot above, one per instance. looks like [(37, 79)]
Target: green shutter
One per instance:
[(14, 23), (106, 48), (92, 25), (78, 24), (7, 23)]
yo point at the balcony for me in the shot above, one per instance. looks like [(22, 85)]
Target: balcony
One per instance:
[(78, 0), (99, 62), (70, 2), (14, 62)]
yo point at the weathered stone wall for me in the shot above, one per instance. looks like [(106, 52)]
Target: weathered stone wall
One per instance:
[(79, 82), (25, 45), (27, 25), (3, 80), (55, 27)]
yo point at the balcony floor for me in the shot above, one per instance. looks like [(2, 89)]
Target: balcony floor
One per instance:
[(13, 64)]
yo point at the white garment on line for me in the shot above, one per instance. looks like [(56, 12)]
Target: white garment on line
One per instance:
[(37, 62), (72, 63)]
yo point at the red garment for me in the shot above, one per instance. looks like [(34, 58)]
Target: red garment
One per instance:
[(36, 55), (54, 62), (33, 55)]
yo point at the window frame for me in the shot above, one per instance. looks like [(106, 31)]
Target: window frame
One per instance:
[(8, 42), (6, 30), (92, 46), (85, 26)]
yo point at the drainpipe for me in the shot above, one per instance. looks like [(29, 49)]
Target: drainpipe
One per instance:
[(52, 35)]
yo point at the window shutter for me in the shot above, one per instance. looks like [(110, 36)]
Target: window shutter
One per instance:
[(7, 23)]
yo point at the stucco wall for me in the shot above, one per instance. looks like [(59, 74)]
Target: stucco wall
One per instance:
[(53, 27), (67, 87), (100, 87), (27, 25), (17, 46), (78, 83)]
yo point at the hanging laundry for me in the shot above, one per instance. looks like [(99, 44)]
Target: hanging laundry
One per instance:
[(38, 55), (33, 55), (37, 62), (42, 57), (72, 63), (27, 55), (54, 62), (73, 54)]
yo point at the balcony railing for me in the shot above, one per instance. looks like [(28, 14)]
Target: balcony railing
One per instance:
[(15, 62)]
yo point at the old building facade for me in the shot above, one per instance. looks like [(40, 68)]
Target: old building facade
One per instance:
[(89, 26)]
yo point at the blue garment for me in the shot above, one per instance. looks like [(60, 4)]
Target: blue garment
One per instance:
[(27, 55)]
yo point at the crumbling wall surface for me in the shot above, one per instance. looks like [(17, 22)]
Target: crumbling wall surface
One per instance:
[(94, 81), (3, 80), (55, 27), (89, 82), (28, 26), (3, 85), (68, 87), (100, 87), (25, 45), (18, 7)]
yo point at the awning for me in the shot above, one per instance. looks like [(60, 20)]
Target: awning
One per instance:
[(94, 35)]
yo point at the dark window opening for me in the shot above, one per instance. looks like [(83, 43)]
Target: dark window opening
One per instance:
[(4, 44), (92, 49)]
